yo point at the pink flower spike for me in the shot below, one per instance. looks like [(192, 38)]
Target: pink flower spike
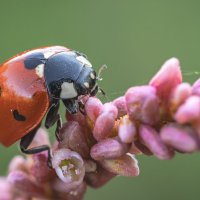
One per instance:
[(196, 88), (126, 165), (126, 130), (93, 107), (152, 140), (107, 149), (189, 111), (25, 184), (143, 104), (180, 94), (182, 138), (166, 79), (69, 166), (120, 103)]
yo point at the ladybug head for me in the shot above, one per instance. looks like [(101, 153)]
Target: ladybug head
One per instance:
[(69, 75)]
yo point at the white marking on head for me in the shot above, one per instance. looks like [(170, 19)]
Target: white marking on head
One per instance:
[(92, 76), (68, 91), (84, 61), (86, 84), (40, 70), (47, 54)]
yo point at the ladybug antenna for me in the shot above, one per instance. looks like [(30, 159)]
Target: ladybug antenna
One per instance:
[(101, 69)]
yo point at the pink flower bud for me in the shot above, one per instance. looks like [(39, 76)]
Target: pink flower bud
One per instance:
[(6, 190), (38, 167), (25, 184), (189, 111), (18, 163), (105, 121), (107, 149), (166, 79), (40, 138), (69, 166), (126, 165), (103, 126), (93, 108), (126, 130), (152, 140), (120, 103), (179, 95), (63, 191), (182, 138), (196, 88), (143, 104), (99, 178), (73, 137), (110, 108)]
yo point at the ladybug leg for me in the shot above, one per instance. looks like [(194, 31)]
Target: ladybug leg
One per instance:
[(71, 105), (81, 107), (26, 141), (52, 115), (58, 127)]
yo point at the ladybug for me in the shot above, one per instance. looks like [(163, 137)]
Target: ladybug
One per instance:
[(33, 83)]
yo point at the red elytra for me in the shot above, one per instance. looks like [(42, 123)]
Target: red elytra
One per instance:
[(22, 91)]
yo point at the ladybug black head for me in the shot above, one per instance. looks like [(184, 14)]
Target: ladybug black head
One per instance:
[(69, 75)]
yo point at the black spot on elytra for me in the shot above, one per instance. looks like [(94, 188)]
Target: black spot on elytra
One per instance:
[(33, 60), (18, 116)]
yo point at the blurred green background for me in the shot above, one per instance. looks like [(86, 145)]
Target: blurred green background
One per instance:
[(133, 38)]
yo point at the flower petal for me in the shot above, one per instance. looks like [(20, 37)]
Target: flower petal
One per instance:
[(107, 149), (93, 107), (120, 103), (127, 130), (189, 111), (196, 88), (143, 104), (152, 140), (166, 79), (126, 165), (182, 138)]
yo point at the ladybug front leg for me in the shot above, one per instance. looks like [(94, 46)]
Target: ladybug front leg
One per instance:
[(26, 141), (52, 115)]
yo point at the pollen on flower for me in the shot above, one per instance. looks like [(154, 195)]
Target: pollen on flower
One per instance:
[(69, 166)]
